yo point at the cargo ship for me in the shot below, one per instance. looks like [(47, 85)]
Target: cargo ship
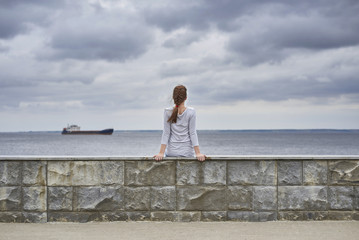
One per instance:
[(75, 130)]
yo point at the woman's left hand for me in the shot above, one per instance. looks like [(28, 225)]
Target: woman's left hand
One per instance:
[(201, 157)]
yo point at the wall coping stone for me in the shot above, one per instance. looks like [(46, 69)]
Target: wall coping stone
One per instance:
[(211, 157)]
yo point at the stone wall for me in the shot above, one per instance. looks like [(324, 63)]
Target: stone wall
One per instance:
[(247, 188)]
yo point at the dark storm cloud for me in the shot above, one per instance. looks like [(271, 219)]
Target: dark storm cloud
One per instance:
[(114, 42), (266, 31), (16, 16), (98, 34)]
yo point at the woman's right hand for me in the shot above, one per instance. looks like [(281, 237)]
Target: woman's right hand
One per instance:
[(158, 157), (200, 157)]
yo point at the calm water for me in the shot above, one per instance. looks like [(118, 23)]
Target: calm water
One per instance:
[(147, 143)]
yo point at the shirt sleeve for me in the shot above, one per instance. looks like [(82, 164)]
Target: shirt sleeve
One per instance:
[(192, 130), (166, 129)]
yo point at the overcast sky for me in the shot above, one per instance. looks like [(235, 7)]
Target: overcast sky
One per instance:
[(266, 64)]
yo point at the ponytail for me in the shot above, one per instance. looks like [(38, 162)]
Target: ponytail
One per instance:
[(173, 117), (179, 96)]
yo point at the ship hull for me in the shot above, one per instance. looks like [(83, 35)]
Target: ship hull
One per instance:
[(101, 132)]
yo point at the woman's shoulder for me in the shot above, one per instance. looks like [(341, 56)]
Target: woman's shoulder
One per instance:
[(169, 109), (191, 110)]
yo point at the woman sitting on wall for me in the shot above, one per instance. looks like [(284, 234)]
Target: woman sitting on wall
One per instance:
[(179, 137)]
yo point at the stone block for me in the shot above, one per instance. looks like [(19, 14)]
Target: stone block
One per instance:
[(112, 172), (10, 217), (198, 198), (113, 216), (214, 216), (85, 173), (163, 198), (188, 173), (356, 216), (344, 172), (252, 173), (289, 173), (245, 216), (34, 173), (35, 198), (240, 197), (10, 198), (81, 217), (316, 216), (340, 215), (10, 173), (214, 172), (105, 198), (60, 198), (340, 198), (150, 173), (264, 198), (34, 217), (138, 216), (291, 216), (315, 172), (356, 198), (164, 216), (137, 198), (188, 216), (302, 198)]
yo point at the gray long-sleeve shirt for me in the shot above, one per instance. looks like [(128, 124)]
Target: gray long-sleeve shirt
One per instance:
[(180, 137)]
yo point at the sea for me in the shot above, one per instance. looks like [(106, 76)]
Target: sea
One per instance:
[(212, 142)]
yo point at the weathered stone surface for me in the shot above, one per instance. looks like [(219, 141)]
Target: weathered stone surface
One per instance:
[(188, 216), (240, 197), (81, 217), (214, 172), (316, 216), (85, 173), (340, 215), (34, 198), (60, 198), (112, 172), (163, 198), (201, 198), (356, 216), (303, 216), (34, 217), (150, 173), (356, 198), (98, 198), (10, 217), (34, 173), (214, 216), (245, 216), (344, 172), (302, 197), (137, 198), (315, 172), (10, 173), (188, 173), (291, 216), (340, 197), (289, 173), (10, 198), (113, 216), (252, 173), (164, 216), (264, 198), (138, 216)]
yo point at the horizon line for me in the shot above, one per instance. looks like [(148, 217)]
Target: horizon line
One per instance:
[(243, 130)]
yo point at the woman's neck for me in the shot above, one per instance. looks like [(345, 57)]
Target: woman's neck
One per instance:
[(181, 108)]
